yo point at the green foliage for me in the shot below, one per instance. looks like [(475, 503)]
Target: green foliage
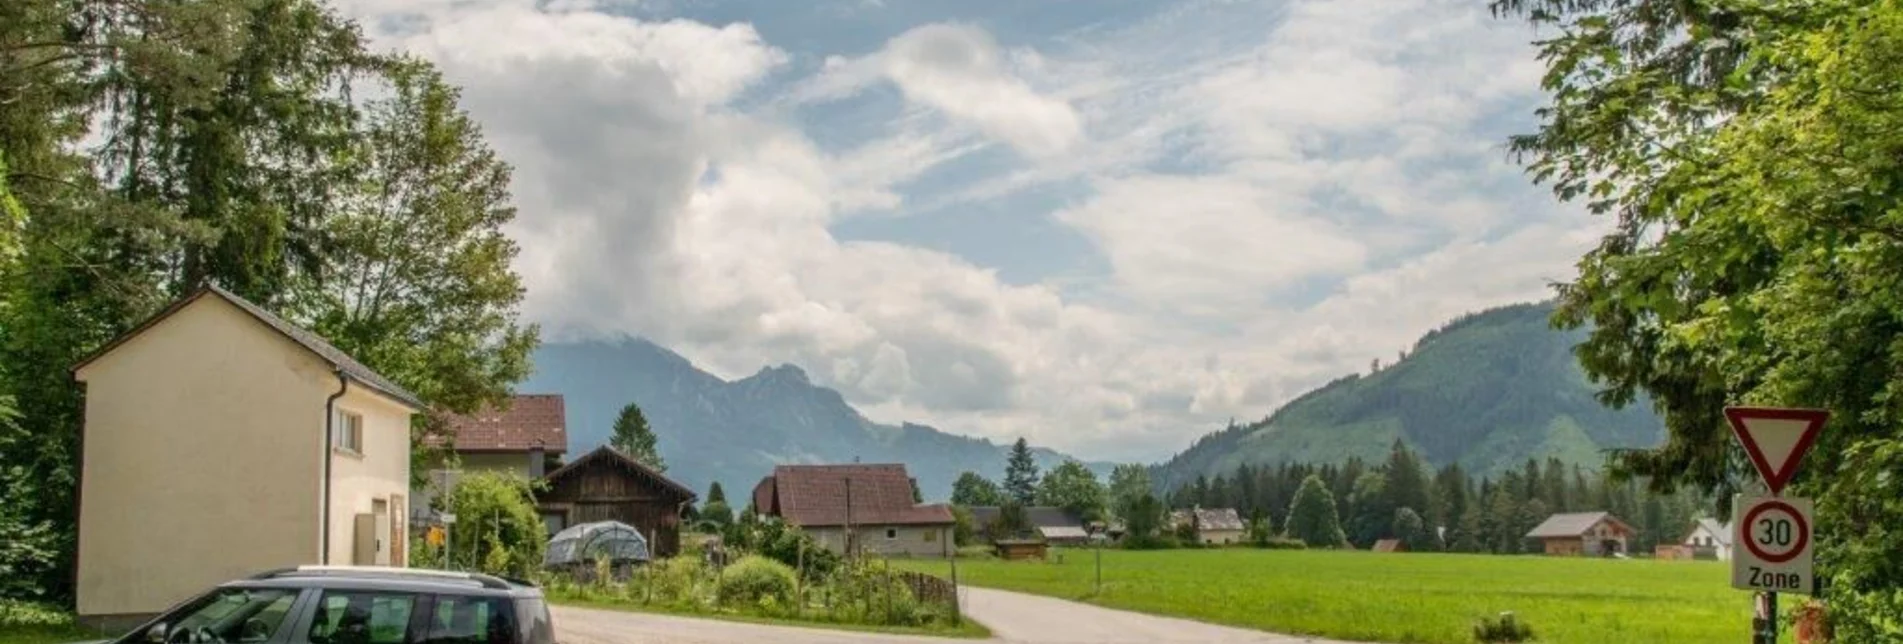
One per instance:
[(633, 437), (1012, 522), (497, 529), (973, 489), (1426, 598), (1074, 488), (1020, 474), (15, 613), (1128, 483), (754, 578), (964, 532), (1143, 519), (1312, 517), (716, 515), (1755, 254), (1506, 628), (1412, 532), (714, 493)]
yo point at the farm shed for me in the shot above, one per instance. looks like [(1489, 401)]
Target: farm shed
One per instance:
[(1054, 524), (1596, 534), (607, 485), (1214, 526), (1709, 539)]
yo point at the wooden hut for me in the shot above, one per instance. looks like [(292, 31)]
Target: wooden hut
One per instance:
[(607, 485)]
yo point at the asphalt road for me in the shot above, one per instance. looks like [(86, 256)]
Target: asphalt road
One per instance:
[(1013, 618)]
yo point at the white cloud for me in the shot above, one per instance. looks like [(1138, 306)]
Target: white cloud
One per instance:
[(1327, 150)]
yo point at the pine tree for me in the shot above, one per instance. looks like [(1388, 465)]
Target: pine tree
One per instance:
[(1020, 474), (1312, 516), (1404, 484), (633, 438), (715, 494)]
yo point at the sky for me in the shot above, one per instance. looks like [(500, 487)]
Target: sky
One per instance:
[(1108, 226)]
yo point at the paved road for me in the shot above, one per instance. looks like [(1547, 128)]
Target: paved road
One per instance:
[(1013, 618)]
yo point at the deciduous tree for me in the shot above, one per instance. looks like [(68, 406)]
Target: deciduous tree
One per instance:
[(973, 489), (1312, 517)]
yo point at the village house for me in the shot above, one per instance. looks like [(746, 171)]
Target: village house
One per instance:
[(220, 440), (1214, 526), (526, 436), (607, 485), (856, 509), (1709, 539), (1054, 525), (1594, 534)]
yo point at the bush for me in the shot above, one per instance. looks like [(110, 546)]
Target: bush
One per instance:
[(674, 581), (1503, 629), (754, 578), (19, 613), (1283, 543), (500, 532)]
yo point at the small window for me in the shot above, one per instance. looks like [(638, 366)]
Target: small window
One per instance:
[(891, 533), (472, 620), (360, 617), (349, 426), (931, 536)]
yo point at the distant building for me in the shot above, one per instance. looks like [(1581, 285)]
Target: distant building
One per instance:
[(1214, 526), (858, 509), (527, 436), (1389, 545), (1595, 534), (1709, 539), (1055, 525), (607, 485)]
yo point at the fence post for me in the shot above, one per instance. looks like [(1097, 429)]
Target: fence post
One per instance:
[(799, 582), (958, 617)]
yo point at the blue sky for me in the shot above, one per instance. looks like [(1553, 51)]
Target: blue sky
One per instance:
[(1106, 225)]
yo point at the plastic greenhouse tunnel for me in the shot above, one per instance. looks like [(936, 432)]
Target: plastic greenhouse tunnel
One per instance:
[(583, 544)]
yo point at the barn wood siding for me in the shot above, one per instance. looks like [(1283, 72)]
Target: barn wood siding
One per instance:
[(602, 490)]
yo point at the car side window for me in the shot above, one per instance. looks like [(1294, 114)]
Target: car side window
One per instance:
[(227, 616), (362, 617), (459, 619)]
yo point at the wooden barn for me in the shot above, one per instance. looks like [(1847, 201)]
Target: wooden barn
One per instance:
[(606, 485)]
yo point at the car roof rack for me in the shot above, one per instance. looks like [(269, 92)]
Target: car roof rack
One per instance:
[(487, 581)]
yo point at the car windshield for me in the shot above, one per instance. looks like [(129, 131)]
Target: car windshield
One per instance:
[(228, 615)]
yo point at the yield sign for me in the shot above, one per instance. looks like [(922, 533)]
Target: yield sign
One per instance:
[(1776, 438)]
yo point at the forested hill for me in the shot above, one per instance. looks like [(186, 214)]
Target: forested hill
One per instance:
[(1488, 390), (734, 432)]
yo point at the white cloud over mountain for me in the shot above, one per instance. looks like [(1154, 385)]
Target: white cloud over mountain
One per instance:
[(1270, 195)]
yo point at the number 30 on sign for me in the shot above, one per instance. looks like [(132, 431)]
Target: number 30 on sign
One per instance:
[(1771, 544)]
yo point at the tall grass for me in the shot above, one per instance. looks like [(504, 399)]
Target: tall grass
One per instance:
[(1401, 597)]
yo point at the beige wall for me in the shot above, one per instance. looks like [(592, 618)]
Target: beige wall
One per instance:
[(203, 458), (908, 541), (381, 472), (1219, 537)]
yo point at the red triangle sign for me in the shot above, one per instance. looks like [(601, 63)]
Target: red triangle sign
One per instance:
[(1776, 438)]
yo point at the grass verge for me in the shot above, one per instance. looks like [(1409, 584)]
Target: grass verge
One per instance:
[(968, 629), (1404, 597)]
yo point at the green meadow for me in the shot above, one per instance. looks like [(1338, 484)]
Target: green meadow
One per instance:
[(1400, 597)]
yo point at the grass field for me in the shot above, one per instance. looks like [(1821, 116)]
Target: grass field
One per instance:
[(1393, 597)]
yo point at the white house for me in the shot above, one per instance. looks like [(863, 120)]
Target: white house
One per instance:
[(1709, 539), (220, 441)]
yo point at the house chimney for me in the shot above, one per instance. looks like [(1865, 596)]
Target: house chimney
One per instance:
[(536, 461)]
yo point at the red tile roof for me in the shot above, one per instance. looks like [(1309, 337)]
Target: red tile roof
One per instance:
[(815, 495), (528, 420)]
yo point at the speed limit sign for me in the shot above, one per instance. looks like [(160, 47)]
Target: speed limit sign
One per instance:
[(1771, 539)]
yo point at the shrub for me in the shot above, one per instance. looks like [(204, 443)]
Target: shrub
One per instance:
[(1503, 629), (19, 613), (675, 581), (754, 578), (501, 532), (1283, 543)]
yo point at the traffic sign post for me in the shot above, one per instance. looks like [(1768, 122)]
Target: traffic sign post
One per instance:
[(1772, 534)]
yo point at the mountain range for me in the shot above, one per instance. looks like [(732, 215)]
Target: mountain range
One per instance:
[(708, 429), (1488, 390)]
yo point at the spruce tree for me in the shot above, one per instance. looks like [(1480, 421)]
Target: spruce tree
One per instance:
[(1020, 474), (633, 438)]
